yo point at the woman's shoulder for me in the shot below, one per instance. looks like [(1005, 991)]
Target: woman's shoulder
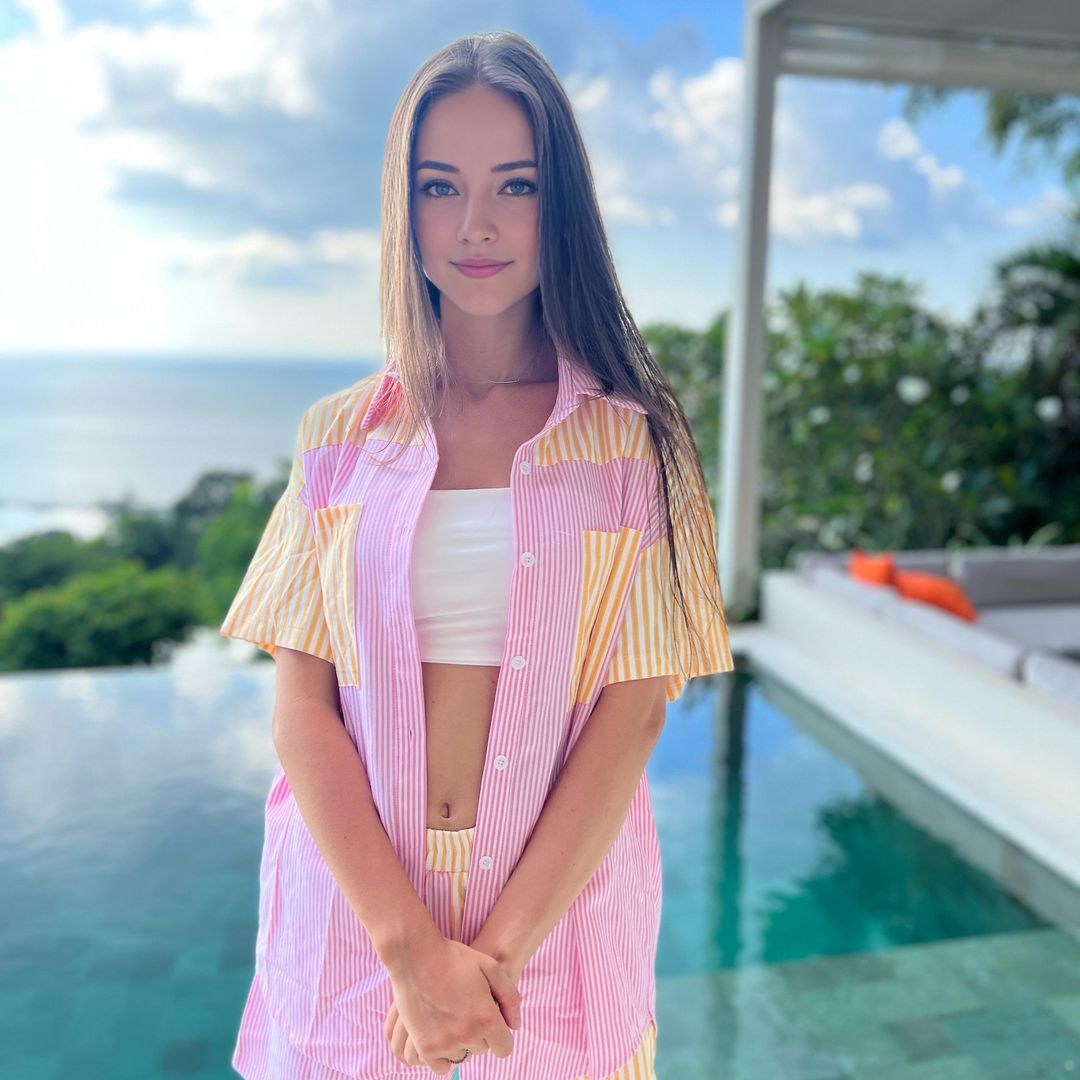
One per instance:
[(630, 421), (335, 417)]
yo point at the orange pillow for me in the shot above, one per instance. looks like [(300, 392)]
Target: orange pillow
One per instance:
[(934, 589), (873, 569)]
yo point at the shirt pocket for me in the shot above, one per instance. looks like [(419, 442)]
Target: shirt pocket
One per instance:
[(335, 542), (609, 558)]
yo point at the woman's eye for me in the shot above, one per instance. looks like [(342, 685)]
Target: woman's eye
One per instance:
[(432, 183), (428, 188)]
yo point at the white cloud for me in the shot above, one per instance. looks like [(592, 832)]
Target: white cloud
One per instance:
[(805, 217), (665, 149), (836, 212), (79, 267), (231, 260), (591, 95), (898, 142), (47, 15), (700, 114), (235, 57), (192, 183), (662, 146), (1048, 206), (618, 206)]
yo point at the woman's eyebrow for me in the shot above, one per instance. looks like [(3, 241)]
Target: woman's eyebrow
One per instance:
[(507, 166)]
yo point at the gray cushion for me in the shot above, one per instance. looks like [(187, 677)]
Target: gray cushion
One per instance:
[(806, 562), (970, 639), (1046, 626), (1020, 579), (931, 561), (871, 597), (1053, 675), (1018, 551)]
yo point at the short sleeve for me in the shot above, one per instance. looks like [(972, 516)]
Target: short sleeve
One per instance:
[(279, 602), (654, 638)]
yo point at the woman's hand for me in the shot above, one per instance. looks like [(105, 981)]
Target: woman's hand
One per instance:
[(451, 998), (400, 1040)]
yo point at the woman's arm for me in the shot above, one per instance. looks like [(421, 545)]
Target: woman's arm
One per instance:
[(582, 817), (444, 990), (333, 794)]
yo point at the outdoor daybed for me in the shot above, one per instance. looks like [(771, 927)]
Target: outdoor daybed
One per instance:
[(1026, 605)]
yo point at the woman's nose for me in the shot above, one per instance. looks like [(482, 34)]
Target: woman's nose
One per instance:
[(476, 221)]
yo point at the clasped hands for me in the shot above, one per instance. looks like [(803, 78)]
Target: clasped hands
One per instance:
[(448, 998)]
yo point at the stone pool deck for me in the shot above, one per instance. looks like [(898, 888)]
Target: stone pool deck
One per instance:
[(1003, 1006), (985, 764)]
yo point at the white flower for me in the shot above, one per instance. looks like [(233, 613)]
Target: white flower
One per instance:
[(1048, 409), (912, 389), (950, 481), (959, 394), (864, 467), (790, 361), (851, 374), (819, 414), (831, 535)]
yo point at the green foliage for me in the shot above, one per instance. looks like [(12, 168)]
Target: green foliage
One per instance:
[(129, 596), (693, 362), (113, 616), (886, 428), (227, 543), (48, 558)]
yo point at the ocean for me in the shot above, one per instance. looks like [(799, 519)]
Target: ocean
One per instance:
[(76, 431)]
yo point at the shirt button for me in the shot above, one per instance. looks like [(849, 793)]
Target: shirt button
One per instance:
[(526, 467), (486, 862), (500, 761), (527, 558), (517, 662)]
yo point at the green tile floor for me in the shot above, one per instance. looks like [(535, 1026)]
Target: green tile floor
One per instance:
[(1003, 1006)]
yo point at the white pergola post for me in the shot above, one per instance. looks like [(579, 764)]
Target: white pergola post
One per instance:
[(980, 44), (739, 468)]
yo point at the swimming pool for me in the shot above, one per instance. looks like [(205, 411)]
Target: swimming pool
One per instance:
[(810, 929)]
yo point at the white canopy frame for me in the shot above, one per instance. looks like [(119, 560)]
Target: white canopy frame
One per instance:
[(977, 44)]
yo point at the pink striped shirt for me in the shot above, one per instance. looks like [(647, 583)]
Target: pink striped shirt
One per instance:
[(587, 608)]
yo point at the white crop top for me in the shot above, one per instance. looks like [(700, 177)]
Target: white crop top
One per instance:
[(462, 561)]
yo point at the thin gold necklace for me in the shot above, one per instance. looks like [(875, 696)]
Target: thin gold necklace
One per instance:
[(528, 368)]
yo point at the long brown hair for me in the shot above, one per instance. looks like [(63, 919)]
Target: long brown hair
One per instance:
[(582, 307)]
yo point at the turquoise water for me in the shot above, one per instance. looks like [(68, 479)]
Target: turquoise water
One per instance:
[(808, 929)]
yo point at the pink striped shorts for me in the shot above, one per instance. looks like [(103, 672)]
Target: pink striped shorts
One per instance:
[(264, 1053)]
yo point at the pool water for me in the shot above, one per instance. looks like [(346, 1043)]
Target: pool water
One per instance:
[(809, 929)]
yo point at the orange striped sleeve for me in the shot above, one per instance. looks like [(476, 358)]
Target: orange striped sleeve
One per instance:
[(654, 638), (279, 602)]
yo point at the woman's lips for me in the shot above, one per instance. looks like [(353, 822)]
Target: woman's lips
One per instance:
[(480, 271)]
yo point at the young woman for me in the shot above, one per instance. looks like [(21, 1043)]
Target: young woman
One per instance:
[(470, 588)]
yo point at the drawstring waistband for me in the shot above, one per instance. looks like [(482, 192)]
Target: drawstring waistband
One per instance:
[(449, 849)]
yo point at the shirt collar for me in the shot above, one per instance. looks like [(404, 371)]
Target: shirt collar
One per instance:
[(576, 384)]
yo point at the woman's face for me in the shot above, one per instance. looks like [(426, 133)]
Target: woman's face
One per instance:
[(468, 204)]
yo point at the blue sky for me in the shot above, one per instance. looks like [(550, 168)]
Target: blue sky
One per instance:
[(202, 176)]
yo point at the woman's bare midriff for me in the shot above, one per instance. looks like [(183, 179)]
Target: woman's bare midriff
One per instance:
[(458, 699), (476, 449)]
